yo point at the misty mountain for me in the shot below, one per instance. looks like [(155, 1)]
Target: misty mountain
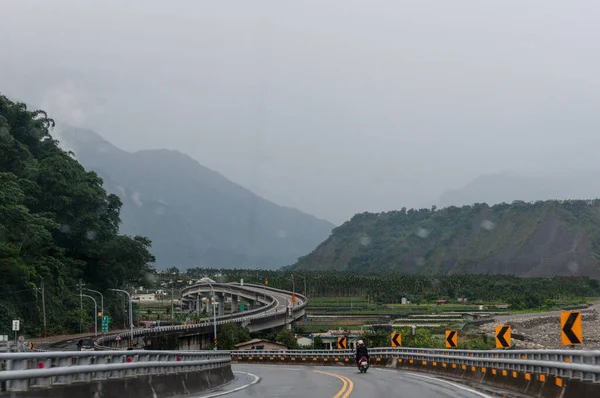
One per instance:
[(509, 186), (193, 215)]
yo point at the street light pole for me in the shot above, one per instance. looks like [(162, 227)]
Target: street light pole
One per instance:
[(95, 313), (305, 292), (130, 313), (293, 288), (214, 304), (101, 301)]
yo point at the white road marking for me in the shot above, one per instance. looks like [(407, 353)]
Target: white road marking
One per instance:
[(442, 381), (218, 394)]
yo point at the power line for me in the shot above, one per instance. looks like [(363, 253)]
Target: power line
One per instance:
[(17, 291)]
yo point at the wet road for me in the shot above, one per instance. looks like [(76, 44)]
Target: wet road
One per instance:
[(338, 382)]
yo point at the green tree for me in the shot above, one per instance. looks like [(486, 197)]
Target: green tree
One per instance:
[(231, 334), (287, 337), (57, 225)]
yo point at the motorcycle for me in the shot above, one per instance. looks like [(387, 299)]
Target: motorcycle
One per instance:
[(363, 364)]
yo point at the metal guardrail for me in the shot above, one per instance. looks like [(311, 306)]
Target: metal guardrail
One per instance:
[(247, 316), (581, 365), (23, 371)]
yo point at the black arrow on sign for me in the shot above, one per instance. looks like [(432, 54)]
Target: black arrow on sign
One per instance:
[(501, 338), (450, 338), (568, 326), (395, 341)]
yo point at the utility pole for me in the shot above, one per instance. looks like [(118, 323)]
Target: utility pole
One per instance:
[(95, 313), (172, 314), (130, 312), (44, 307), (80, 307)]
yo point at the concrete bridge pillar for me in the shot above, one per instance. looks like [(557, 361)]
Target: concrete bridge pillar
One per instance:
[(221, 304), (234, 303)]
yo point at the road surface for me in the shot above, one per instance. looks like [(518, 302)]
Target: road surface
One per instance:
[(338, 382), (282, 299)]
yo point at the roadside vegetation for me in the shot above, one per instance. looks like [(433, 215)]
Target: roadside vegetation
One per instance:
[(57, 225)]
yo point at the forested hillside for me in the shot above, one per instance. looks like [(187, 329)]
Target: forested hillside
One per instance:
[(543, 238), (57, 225)]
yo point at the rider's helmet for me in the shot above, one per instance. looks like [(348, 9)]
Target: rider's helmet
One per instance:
[(360, 343)]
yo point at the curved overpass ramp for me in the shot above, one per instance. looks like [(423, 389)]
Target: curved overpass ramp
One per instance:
[(274, 309)]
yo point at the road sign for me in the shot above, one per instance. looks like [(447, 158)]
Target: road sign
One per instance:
[(131, 343), (451, 339), (503, 336), (570, 328), (105, 322), (342, 343), (99, 314), (118, 337), (16, 325), (215, 342), (267, 282), (396, 340), (31, 345)]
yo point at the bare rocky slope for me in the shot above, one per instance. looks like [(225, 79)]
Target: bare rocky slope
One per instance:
[(543, 238), (543, 330)]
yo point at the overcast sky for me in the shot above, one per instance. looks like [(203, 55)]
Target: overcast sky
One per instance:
[(331, 106)]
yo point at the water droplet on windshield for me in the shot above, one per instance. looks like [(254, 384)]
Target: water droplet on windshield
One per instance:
[(65, 229), (282, 234), (422, 233), (136, 197), (487, 224), (364, 240), (91, 235), (573, 267)]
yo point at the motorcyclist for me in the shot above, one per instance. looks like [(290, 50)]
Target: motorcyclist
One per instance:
[(361, 350)]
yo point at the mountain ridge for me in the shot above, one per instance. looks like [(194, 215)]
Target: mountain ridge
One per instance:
[(211, 221), (543, 238)]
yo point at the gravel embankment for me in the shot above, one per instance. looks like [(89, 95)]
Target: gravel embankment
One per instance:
[(543, 330)]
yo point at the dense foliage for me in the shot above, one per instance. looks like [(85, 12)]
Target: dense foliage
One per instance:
[(543, 238), (388, 288), (57, 225)]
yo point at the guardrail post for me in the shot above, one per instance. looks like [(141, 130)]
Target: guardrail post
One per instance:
[(17, 385), (86, 360), (65, 379)]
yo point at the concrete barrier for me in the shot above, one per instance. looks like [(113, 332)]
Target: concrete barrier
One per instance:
[(143, 386)]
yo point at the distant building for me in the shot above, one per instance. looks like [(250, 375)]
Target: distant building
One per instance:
[(260, 344), (304, 342), (330, 338), (144, 297)]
